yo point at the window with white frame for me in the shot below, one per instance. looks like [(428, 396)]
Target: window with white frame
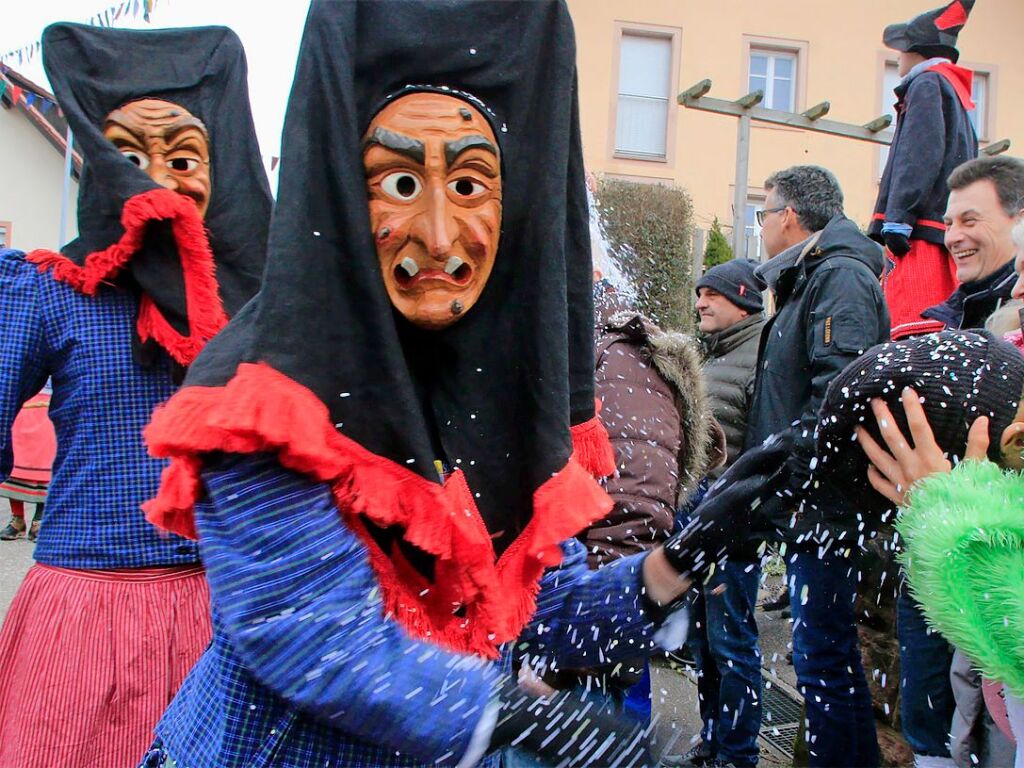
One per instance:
[(980, 95), (645, 79), (750, 228), (774, 72)]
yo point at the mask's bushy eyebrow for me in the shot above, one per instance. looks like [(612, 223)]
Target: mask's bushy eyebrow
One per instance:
[(452, 149), (396, 142)]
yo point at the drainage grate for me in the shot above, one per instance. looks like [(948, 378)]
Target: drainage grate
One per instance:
[(781, 737), (778, 707), (780, 717)]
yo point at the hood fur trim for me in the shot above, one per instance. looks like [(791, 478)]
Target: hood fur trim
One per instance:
[(677, 357)]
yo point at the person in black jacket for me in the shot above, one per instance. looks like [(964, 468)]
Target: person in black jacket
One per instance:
[(986, 201), (934, 135), (824, 274), (724, 636)]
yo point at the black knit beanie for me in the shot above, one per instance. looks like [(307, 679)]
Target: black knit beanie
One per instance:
[(959, 375), (735, 280)]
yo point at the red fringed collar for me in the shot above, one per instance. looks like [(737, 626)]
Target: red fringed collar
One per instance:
[(476, 602), (205, 310)]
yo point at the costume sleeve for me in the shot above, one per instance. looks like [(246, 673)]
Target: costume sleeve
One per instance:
[(842, 322), (588, 618), (294, 591), (22, 347), (917, 157)]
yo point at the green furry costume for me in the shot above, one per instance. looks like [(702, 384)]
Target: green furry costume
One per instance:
[(964, 556)]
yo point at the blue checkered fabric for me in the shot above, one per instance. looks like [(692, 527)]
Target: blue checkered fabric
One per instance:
[(101, 401), (305, 670)]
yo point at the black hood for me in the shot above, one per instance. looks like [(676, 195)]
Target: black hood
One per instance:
[(128, 223), (491, 401)]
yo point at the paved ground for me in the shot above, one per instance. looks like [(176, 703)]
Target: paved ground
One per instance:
[(15, 559), (675, 697), (675, 690)]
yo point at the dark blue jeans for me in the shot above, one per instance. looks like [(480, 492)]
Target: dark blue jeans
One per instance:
[(926, 697), (826, 656), (724, 645)]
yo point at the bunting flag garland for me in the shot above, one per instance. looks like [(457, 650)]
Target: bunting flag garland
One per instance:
[(104, 18), (30, 99)]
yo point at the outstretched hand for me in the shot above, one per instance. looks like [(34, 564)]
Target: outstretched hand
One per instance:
[(894, 472)]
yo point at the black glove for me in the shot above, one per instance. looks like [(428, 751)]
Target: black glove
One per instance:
[(751, 502), (898, 245), (570, 728)]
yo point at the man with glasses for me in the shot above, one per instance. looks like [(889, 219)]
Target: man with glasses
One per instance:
[(824, 274)]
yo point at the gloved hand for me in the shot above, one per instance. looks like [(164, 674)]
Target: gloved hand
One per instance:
[(898, 244), (751, 502), (570, 728)]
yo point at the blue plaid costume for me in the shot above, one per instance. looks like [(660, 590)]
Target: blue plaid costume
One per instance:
[(304, 669), (102, 399)]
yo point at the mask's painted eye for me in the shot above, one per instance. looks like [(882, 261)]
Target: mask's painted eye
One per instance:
[(183, 164), (401, 185), (466, 187), (136, 157)]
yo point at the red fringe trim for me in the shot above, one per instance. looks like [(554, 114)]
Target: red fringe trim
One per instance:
[(204, 308), (592, 447), (475, 604)]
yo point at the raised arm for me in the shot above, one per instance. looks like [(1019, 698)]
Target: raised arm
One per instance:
[(293, 590)]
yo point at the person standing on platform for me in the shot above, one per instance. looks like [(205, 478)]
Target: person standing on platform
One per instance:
[(933, 136)]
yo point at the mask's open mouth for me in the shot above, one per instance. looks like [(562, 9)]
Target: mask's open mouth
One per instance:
[(456, 272)]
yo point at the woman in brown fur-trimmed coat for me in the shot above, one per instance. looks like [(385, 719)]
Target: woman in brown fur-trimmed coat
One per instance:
[(657, 414)]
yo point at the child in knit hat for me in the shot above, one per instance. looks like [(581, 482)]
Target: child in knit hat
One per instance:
[(963, 531), (958, 375)]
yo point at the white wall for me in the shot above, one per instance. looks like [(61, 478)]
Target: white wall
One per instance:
[(31, 174)]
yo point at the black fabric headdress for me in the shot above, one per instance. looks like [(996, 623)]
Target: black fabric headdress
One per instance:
[(960, 375), (932, 33), (322, 370), (130, 228)]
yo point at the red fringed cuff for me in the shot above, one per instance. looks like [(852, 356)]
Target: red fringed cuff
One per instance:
[(204, 308), (592, 448), (475, 602)]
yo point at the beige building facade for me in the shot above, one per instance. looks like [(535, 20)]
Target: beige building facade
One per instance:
[(31, 156), (635, 56)]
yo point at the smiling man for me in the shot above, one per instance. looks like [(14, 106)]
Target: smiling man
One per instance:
[(986, 200)]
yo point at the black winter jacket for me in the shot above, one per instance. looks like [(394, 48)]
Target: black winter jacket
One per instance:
[(829, 309), (970, 305), (933, 136), (729, 368)]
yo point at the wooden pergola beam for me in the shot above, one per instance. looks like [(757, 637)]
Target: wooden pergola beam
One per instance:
[(748, 109)]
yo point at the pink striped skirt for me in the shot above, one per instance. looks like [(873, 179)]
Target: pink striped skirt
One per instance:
[(89, 660)]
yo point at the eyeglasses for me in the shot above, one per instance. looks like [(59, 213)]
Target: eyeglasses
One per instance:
[(759, 215)]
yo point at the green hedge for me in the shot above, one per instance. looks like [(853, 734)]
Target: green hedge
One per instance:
[(649, 228)]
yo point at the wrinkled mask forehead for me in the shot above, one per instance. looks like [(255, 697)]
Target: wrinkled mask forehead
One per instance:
[(434, 182), (167, 142)]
